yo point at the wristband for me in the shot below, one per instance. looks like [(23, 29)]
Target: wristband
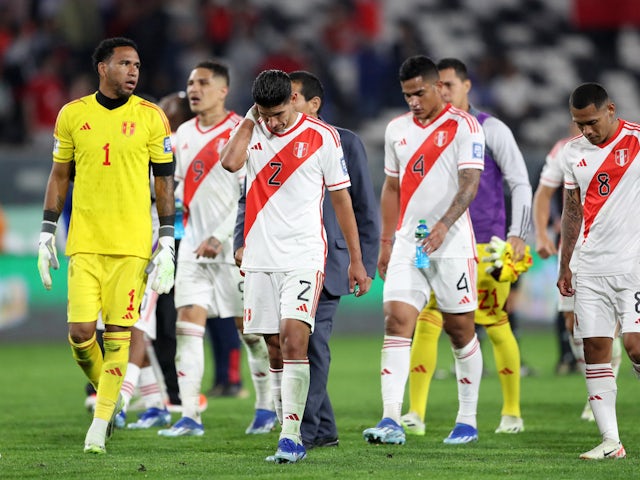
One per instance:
[(166, 231), (387, 241)]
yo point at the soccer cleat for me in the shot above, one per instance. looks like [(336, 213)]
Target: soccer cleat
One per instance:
[(608, 449), (112, 422), (263, 422), (152, 417), (121, 419), (183, 428), (587, 413), (412, 424), (90, 403), (288, 452), (387, 431), (462, 433), (510, 424), (94, 448)]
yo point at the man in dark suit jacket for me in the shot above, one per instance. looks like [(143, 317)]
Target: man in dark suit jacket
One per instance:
[(318, 428)]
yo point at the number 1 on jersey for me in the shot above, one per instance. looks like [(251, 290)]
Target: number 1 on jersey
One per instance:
[(106, 155)]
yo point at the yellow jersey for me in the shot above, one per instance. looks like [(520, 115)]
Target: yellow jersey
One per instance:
[(112, 150)]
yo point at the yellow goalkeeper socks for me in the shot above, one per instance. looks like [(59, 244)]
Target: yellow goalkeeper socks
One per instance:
[(507, 357), (424, 355), (88, 356), (114, 368)]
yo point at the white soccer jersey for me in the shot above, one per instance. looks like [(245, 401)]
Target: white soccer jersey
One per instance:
[(209, 192), (286, 178), (552, 174), (609, 180), (427, 158)]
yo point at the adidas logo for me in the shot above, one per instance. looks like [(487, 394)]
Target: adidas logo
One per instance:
[(465, 381), (506, 371), (293, 416), (464, 300), (302, 308), (86, 126), (582, 163), (637, 321), (114, 371), (128, 316), (257, 146), (595, 397), (419, 369), (260, 374), (385, 371), (403, 142)]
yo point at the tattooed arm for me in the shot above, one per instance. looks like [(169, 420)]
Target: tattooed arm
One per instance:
[(569, 231), (57, 187), (468, 180)]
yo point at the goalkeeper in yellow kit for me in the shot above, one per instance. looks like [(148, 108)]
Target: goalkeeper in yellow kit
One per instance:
[(112, 137), (500, 262)]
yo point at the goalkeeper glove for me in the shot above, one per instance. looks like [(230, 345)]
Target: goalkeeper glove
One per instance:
[(163, 260), (47, 258), (502, 267)]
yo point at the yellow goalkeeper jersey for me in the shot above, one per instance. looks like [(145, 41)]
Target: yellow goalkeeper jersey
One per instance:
[(112, 150)]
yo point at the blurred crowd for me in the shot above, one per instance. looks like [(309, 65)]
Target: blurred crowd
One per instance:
[(355, 46)]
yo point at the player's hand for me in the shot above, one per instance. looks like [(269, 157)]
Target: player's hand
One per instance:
[(383, 258), (436, 238), (210, 248), (545, 247), (237, 256), (501, 262), (518, 245), (47, 258), (252, 114), (163, 260), (359, 282)]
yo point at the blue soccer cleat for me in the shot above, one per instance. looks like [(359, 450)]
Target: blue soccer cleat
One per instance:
[(462, 433), (121, 419), (387, 431), (152, 417), (263, 422), (288, 452), (183, 428)]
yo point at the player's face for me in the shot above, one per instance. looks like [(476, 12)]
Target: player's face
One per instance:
[(278, 118), (423, 98), (454, 90), (597, 125), (206, 91), (119, 75)]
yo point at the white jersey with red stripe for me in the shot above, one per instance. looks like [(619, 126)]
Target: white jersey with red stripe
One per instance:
[(286, 178), (608, 176), (552, 174), (209, 192), (427, 158)]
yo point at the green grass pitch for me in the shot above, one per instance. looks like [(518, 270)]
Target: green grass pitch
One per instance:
[(43, 422)]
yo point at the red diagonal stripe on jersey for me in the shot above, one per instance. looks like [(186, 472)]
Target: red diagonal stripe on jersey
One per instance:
[(594, 201), (264, 185), (421, 162), (200, 167)]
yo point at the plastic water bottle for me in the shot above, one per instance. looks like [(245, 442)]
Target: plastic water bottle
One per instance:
[(422, 232), (178, 225)]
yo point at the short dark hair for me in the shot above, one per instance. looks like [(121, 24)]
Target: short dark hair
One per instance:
[(418, 66), (271, 88), (587, 94), (104, 50), (457, 66), (311, 85), (218, 69)]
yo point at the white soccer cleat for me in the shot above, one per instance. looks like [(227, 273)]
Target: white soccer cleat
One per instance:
[(608, 449), (587, 413), (412, 424), (510, 424)]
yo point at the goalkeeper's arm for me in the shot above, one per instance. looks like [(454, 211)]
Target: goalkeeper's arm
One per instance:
[(164, 256), (54, 199)]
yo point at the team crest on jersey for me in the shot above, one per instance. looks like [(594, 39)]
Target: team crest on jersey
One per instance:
[(128, 128), (300, 149), (440, 138), (622, 157)]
